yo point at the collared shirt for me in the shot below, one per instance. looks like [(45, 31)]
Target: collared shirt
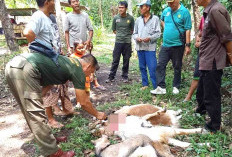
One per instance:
[(216, 32), (182, 18), (150, 29), (124, 27)]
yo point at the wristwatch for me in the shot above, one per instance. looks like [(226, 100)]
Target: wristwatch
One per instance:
[(188, 44)]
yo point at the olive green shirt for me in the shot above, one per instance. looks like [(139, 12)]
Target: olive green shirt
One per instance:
[(69, 69), (124, 27)]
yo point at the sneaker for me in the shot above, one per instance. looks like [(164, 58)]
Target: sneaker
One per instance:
[(158, 90), (110, 80), (144, 87), (175, 90)]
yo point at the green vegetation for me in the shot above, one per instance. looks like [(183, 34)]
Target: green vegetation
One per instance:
[(2, 41), (80, 139), (130, 94)]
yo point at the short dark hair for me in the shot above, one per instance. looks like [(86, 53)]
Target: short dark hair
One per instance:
[(89, 58), (123, 3), (40, 3), (77, 42), (69, 2)]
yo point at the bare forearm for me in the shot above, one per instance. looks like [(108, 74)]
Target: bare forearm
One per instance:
[(90, 35), (162, 24), (29, 34), (89, 108), (229, 50), (188, 32), (84, 100), (67, 39)]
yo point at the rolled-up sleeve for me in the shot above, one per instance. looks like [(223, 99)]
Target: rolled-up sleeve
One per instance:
[(220, 21)]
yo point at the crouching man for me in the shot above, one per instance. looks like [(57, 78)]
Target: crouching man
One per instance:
[(30, 76)]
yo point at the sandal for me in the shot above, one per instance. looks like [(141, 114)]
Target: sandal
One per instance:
[(100, 88)]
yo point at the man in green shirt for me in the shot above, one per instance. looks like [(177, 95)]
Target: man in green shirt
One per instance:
[(123, 26), (31, 75)]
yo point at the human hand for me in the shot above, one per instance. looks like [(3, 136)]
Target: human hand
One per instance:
[(69, 51), (139, 40), (101, 116), (187, 50), (62, 52), (87, 43), (146, 40), (198, 41)]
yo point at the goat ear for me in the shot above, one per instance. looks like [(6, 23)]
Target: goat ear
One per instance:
[(93, 141)]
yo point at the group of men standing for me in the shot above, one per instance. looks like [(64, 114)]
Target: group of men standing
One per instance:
[(176, 22), (26, 73), (215, 39)]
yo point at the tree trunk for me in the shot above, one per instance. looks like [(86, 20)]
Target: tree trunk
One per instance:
[(196, 15), (101, 14), (8, 28), (130, 7), (59, 21)]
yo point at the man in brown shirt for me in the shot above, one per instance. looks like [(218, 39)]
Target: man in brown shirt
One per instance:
[(215, 43)]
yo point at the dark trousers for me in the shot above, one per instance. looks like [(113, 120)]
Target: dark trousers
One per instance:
[(175, 54), (123, 49), (209, 96)]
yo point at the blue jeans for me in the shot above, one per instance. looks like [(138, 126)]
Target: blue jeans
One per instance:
[(147, 59)]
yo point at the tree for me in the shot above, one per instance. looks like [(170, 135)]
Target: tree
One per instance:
[(130, 7), (8, 28), (196, 16), (60, 24), (100, 13)]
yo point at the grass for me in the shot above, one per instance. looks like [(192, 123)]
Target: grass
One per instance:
[(80, 138), (2, 41), (131, 94)]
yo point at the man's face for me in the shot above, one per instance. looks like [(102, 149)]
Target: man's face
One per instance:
[(89, 70), (122, 9), (51, 5), (174, 5), (144, 9), (75, 4), (199, 2)]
